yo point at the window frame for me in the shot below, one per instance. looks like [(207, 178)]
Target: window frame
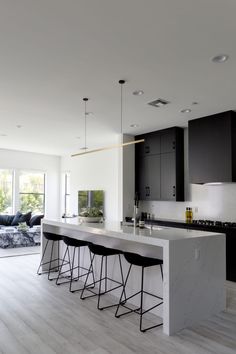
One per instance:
[(30, 193)]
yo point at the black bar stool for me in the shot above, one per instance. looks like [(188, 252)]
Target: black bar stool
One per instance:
[(143, 262), (75, 245), (104, 252), (53, 238)]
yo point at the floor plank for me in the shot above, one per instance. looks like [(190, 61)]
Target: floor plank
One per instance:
[(36, 316)]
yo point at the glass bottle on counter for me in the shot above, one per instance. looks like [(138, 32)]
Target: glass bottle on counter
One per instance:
[(188, 215)]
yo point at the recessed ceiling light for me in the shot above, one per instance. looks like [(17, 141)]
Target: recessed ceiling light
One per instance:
[(19, 126), (138, 92), (221, 58), (134, 125), (187, 110)]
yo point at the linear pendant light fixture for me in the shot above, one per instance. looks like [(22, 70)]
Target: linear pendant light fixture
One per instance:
[(114, 146)]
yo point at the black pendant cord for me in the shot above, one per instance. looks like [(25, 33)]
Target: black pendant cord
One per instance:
[(121, 82), (85, 122)]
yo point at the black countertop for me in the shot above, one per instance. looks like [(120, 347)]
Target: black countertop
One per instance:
[(185, 225)]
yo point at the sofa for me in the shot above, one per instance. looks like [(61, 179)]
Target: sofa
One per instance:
[(14, 220), (11, 237)]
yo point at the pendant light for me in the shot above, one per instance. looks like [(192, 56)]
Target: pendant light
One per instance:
[(121, 82), (85, 124)]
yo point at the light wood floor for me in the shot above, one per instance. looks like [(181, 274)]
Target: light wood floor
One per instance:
[(19, 251), (38, 317)]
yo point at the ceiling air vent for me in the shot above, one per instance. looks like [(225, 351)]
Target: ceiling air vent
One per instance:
[(158, 103)]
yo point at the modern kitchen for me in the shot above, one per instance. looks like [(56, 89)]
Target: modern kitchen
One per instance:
[(127, 112), (158, 174)]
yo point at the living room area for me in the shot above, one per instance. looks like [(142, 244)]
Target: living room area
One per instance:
[(29, 189)]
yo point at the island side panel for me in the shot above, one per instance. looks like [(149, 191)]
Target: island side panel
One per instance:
[(197, 274)]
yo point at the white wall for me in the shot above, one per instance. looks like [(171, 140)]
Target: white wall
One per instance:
[(100, 170), (128, 176), (19, 160), (212, 202)]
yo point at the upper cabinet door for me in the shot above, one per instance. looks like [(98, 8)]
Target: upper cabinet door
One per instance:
[(151, 145), (159, 165), (211, 148), (168, 141)]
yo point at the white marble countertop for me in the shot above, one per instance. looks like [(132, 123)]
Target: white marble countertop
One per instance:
[(158, 235)]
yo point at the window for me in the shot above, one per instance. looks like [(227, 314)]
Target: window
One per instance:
[(6, 191), (67, 194), (32, 192)]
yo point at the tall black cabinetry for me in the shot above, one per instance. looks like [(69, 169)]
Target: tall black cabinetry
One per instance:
[(159, 165), (212, 148)]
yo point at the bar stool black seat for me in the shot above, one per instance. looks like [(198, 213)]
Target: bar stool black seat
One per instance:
[(52, 267), (104, 252), (75, 244), (143, 262)]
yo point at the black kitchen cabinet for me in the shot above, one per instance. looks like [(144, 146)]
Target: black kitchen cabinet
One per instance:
[(212, 148), (168, 176), (149, 178), (151, 145), (168, 140), (159, 169)]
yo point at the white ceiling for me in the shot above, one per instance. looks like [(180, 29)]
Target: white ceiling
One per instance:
[(55, 52)]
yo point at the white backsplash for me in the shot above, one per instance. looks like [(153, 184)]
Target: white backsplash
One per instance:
[(208, 202)]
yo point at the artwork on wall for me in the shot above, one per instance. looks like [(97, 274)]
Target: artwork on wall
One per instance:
[(91, 202)]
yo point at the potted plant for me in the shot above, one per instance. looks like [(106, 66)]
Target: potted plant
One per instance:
[(93, 214)]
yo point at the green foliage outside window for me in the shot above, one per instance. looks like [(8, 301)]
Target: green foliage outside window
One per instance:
[(5, 201), (5, 191), (32, 192), (32, 202)]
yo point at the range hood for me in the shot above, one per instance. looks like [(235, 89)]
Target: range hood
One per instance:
[(212, 149)]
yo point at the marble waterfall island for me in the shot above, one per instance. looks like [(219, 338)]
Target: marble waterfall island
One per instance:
[(194, 265)]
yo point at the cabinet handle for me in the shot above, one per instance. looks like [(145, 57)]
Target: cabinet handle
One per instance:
[(173, 145), (147, 149), (173, 191)]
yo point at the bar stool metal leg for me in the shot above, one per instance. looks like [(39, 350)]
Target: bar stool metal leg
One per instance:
[(142, 262), (103, 279), (50, 263), (41, 262)]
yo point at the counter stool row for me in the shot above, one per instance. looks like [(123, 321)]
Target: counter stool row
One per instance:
[(70, 271)]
